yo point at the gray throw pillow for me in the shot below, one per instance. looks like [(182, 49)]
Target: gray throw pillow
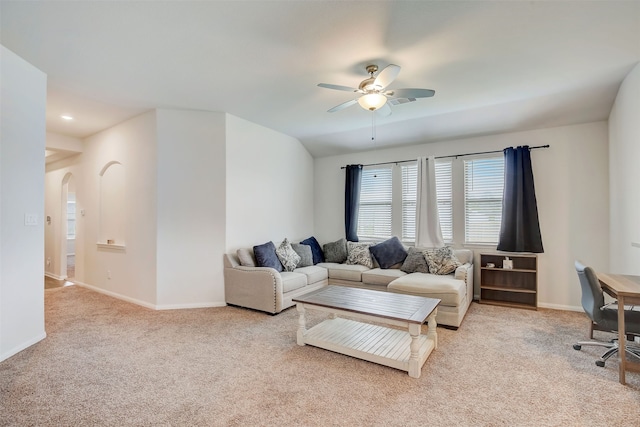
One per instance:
[(335, 251), (358, 254), (266, 256), (246, 257), (287, 256), (441, 260), (305, 254), (389, 252), (415, 262)]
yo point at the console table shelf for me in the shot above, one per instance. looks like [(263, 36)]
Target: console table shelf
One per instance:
[(515, 287)]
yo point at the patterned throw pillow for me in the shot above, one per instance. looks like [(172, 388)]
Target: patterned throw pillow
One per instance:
[(287, 256), (415, 262), (335, 251), (359, 254), (441, 260)]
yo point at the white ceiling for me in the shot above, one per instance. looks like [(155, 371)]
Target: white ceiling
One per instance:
[(495, 66)]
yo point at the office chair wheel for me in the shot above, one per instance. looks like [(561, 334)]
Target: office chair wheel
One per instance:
[(600, 363), (577, 346)]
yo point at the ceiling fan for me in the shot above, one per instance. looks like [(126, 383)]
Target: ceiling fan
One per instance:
[(374, 93)]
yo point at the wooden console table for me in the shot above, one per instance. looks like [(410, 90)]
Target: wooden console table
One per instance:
[(626, 289), (364, 338)]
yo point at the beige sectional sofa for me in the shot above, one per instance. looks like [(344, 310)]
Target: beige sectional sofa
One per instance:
[(265, 289)]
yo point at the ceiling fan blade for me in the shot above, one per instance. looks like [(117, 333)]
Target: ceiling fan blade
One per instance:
[(342, 106), (410, 93), (386, 76), (385, 110), (338, 87), (398, 101)]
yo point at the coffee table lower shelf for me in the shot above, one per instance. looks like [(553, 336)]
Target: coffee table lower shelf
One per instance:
[(374, 343)]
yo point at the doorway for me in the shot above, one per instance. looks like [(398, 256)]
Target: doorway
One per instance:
[(68, 228)]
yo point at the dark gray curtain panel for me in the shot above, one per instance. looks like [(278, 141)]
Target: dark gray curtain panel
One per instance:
[(520, 229), (352, 201)]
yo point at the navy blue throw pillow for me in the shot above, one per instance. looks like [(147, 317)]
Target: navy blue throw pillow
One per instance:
[(316, 250), (389, 252), (266, 256)]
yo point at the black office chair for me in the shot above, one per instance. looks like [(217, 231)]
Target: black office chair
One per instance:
[(604, 317)]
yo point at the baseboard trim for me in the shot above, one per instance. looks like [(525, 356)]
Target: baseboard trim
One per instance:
[(560, 307), (55, 277), (148, 305), (23, 346), (191, 305), (117, 295)]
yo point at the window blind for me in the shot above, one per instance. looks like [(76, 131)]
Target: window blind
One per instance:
[(444, 192), (483, 185), (409, 201), (374, 215)]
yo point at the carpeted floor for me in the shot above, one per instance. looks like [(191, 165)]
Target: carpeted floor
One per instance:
[(106, 362)]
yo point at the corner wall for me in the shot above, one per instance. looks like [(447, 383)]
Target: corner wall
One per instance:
[(624, 161), (572, 188), (128, 273), (23, 93), (190, 208), (269, 192)]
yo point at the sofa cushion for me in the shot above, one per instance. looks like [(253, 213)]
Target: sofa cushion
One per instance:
[(314, 273), (351, 273), (246, 257), (292, 281), (287, 256), (389, 252), (316, 250), (335, 251), (358, 254), (266, 256), (381, 276), (415, 262), (441, 260), (451, 291), (305, 254)]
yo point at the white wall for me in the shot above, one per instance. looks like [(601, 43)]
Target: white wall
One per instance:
[(190, 208), (624, 162), (269, 186), (22, 138), (132, 270), (572, 190)]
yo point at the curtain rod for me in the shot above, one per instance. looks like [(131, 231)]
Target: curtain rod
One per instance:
[(445, 157)]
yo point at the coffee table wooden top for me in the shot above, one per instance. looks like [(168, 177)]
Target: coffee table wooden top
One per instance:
[(408, 308)]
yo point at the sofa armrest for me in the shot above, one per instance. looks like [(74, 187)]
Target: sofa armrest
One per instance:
[(259, 288), (462, 271), (465, 272)]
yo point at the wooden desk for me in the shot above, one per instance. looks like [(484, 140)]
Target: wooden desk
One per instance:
[(626, 289)]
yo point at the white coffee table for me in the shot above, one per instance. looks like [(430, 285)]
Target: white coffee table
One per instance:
[(371, 330)]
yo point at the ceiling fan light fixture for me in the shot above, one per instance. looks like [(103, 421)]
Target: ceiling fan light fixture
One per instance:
[(372, 101)]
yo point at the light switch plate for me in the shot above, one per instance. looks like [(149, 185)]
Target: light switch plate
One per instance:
[(30, 219)]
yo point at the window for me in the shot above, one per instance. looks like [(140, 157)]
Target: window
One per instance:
[(71, 216), (409, 201), (374, 216), (483, 184), (444, 191)]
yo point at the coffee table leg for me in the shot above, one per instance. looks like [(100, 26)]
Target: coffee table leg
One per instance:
[(414, 362), (302, 324), (431, 332)]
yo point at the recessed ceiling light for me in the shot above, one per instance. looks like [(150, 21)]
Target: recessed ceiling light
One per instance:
[(65, 117)]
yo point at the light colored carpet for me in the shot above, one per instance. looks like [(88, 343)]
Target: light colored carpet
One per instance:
[(108, 362)]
